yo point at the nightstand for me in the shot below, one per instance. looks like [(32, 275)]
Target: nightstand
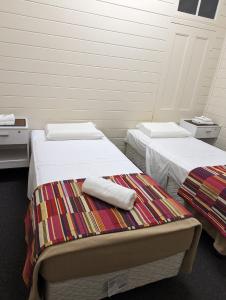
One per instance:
[(207, 133), (14, 145)]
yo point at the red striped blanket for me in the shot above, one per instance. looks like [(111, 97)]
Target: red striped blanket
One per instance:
[(205, 190), (60, 212)]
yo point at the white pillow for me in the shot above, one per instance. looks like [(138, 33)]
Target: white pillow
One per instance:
[(163, 130), (72, 131)]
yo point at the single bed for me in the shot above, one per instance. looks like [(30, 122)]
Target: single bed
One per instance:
[(100, 266), (60, 160), (169, 161)]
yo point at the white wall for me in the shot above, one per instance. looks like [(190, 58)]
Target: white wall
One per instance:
[(116, 62), (216, 105)]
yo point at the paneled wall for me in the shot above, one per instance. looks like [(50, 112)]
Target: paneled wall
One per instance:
[(216, 105), (115, 62)]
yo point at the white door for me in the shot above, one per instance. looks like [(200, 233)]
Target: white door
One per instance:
[(185, 67)]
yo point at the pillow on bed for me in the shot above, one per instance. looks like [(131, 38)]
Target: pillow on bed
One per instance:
[(72, 131), (163, 130)]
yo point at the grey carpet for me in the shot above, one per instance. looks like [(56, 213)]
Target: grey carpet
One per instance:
[(206, 282)]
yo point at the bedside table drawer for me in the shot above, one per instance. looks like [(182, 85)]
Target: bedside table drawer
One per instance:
[(10, 137), (207, 132)]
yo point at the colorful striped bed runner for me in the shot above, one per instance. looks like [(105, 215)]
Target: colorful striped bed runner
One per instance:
[(59, 212), (205, 190)]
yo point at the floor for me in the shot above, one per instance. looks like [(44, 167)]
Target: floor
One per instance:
[(206, 282)]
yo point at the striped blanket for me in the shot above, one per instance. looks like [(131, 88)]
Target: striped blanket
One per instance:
[(205, 190), (59, 212)]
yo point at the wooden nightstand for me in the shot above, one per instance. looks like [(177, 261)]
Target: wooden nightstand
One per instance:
[(207, 133), (14, 145)]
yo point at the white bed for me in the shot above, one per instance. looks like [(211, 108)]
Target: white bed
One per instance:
[(72, 159), (174, 157), (60, 160), (169, 161)]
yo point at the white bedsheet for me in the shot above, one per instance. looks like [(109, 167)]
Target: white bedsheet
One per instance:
[(138, 140), (175, 157), (72, 159)]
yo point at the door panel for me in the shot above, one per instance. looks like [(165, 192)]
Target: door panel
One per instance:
[(188, 56)]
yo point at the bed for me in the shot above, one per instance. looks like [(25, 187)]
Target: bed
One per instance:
[(169, 161), (68, 271)]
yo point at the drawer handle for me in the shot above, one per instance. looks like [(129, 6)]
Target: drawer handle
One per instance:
[(208, 131), (4, 134)]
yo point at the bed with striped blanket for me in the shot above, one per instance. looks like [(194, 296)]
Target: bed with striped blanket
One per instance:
[(205, 190), (59, 213)]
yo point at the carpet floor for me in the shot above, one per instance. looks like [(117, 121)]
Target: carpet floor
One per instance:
[(206, 282)]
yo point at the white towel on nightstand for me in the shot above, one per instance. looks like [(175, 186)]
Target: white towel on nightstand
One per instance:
[(7, 119)]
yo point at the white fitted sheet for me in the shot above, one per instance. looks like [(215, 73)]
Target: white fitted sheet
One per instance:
[(138, 140), (174, 157), (72, 159)]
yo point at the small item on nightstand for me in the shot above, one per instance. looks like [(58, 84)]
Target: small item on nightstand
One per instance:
[(202, 120), (7, 120)]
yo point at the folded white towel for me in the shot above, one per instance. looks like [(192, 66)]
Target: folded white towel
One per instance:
[(7, 119), (72, 131), (110, 192), (199, 122), (7, 123), (202, 120)]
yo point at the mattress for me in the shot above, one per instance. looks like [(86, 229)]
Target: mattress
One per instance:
[(60, 160), (73, 159), (174, 157), (109, 284)]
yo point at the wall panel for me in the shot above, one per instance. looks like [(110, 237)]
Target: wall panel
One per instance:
[(116, 62)]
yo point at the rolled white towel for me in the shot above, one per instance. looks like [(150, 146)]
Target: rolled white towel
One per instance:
[(7, 119), (110, 192)]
